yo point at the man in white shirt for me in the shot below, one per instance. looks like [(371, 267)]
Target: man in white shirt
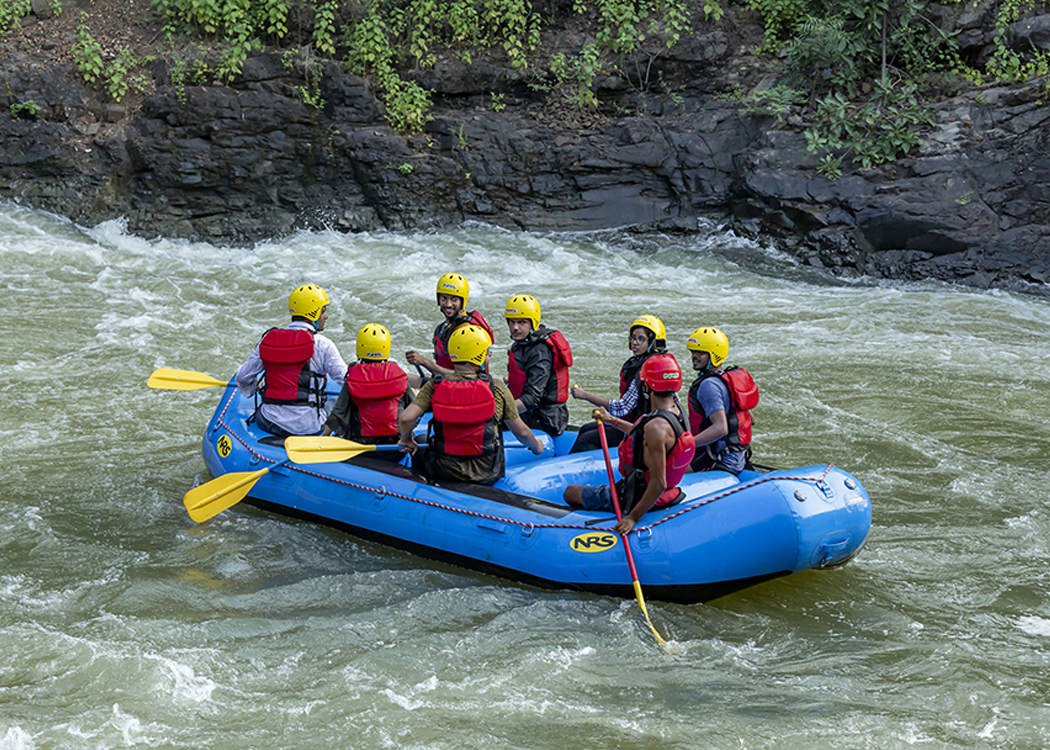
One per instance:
[(297, 361)]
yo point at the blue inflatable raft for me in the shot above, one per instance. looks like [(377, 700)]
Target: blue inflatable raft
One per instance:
[(728, 533)]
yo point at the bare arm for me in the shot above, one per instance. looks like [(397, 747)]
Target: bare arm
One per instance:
[(415, 358), (406, 424), (718, 428), (658, 439), (579, 393), (524, 434), (621, 424)]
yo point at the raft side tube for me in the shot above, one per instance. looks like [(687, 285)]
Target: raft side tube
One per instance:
[(833, 515)]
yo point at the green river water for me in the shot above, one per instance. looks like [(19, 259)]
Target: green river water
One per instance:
[(125, 625)]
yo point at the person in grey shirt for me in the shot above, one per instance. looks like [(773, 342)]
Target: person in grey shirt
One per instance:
[(297, 361)]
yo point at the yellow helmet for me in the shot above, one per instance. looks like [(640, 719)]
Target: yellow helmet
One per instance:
[(373, 342), (469, 343), (307, 301), (523, 306), (455, 285), (650, 322), (710, 340)]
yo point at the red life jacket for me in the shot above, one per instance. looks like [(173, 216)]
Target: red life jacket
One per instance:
[(562, 361), (286, 354), (464, 423), (632, 455), (743, 396), (375, 390), (445, 329)]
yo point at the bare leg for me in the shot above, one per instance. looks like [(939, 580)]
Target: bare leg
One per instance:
[(573, 495)]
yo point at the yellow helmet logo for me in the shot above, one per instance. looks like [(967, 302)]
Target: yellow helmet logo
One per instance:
[(593, 541), (373, 342), (523, 307), (469, 343), (710, 340), (454, 284)]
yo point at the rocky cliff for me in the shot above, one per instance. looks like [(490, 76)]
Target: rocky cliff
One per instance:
[(236, 163)]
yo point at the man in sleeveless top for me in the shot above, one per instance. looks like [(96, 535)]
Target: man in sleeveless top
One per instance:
[(654, 456)]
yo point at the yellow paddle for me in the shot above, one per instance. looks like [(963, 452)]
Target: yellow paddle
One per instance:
[(213, 497), (315, 449), (181, 380), (626, 542)]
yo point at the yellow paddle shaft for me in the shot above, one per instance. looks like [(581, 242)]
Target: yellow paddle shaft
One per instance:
[(170, 379)]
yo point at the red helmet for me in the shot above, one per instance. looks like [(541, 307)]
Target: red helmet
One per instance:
[(662, 373)]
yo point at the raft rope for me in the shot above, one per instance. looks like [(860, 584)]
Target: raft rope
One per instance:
[(524, 524)]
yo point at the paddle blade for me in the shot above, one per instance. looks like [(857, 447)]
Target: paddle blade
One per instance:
[(181, 380), (315, 449), (213, 497)]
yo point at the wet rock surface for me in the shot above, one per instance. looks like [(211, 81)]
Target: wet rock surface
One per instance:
[(249, 160)]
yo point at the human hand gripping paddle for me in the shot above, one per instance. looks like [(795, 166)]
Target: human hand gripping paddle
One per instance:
[(626, 541)]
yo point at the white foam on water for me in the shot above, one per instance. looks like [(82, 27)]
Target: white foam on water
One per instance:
[(1034, 625), (406, 702), (921, 390), (989, 728), (16, 738), (184, 683)]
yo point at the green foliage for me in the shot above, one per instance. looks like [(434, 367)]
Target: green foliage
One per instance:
[(873, 132), (87, 52), (324, 26), (117, 77), (312, 70), (834, 56), (408, 105), (178, 72), (385, 39), (26, 110), (776, 101), (780, 18), (824, 56), (625, 25), (1008, 64), (13, 11), (861, 64)]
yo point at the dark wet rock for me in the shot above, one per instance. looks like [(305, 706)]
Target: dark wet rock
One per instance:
[(250, 160)]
